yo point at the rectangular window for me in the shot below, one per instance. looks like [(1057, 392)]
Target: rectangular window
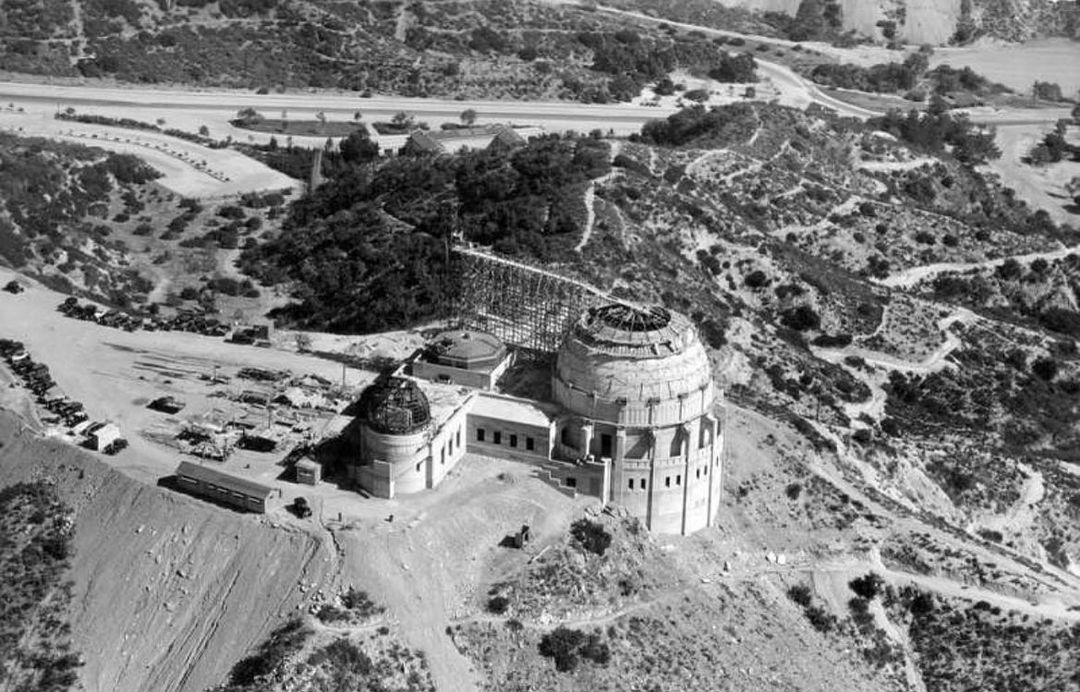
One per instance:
[(667, 481), (479, 434), (605, 445), (457, 437), (642, 484), (513, 440), (571, 482), (697, 474), (630, 484), (418, 467), (443, 460), (497, 437), (678, 479), (529, 443)]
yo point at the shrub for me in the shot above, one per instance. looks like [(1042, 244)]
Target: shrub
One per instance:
[(922, 605), (793, 490), (596, 650), (867, 586), (561, 644), (800, 594), (231, 211), (1045, 369), (819, 619), (801, 318), (498, 604), (592, 536), (756, 279), (283, 642)]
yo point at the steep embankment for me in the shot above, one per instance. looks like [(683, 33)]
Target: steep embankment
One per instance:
[(169, 592)]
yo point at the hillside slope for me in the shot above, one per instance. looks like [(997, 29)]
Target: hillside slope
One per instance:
[(937, 22), (169, 592)]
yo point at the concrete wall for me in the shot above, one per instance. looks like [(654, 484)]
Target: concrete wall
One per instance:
[(391, 465), (668, 477), (447, 447), (586, 478), (388, 463), (467, 378), (507, 432), (634, 413)]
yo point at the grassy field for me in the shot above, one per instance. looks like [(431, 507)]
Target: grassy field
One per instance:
[(877, 102), (1019, 66), (302, 128)]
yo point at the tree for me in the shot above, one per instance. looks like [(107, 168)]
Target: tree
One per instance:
[(888, 28), (303, 342), (357, 148), (356, 116), (321, 117), (468, 116), (562, 645), (1045, 369), (204, 131), (248, 116), (1046, 91), (402, 120)]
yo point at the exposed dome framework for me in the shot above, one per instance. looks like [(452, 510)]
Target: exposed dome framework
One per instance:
[(624, 355), (395, 406)]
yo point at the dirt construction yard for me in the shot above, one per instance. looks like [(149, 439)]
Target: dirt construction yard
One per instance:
[(427, 564)]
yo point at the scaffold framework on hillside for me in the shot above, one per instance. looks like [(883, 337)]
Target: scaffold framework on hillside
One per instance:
[(524, 306)]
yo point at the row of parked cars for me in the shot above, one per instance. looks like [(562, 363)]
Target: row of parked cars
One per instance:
[(183, 321), (104, 437), (36, 378)]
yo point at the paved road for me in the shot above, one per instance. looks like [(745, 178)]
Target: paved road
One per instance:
[(556, 115)]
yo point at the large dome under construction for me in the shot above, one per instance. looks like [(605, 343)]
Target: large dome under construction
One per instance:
[(624, 356)]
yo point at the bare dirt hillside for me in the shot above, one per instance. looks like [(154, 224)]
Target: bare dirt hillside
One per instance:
[(937, 22), (168, 592), (925, 21)]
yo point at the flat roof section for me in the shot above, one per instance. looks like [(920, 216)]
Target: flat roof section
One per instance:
[(512, 410), (445, 400), (206, 474), (470, 350)]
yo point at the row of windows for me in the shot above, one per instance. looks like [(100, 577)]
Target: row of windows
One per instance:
[(496, 438), (447, 449), (220, 490), (643, 484), (607, 447)]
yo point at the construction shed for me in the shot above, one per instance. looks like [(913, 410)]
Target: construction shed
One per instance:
[(101, 435), (308, 471), (225, 488)]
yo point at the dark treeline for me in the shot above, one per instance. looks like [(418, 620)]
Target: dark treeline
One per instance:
[(932, 130), (369, 250)]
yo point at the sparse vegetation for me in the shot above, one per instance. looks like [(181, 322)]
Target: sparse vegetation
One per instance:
[(35, 549)]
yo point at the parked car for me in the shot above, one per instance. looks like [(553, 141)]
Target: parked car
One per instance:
[(301, 508)]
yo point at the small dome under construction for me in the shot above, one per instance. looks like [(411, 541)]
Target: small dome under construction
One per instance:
[(395, 406)]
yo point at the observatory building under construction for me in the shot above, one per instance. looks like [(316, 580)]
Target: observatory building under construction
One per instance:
[(631, 419)]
